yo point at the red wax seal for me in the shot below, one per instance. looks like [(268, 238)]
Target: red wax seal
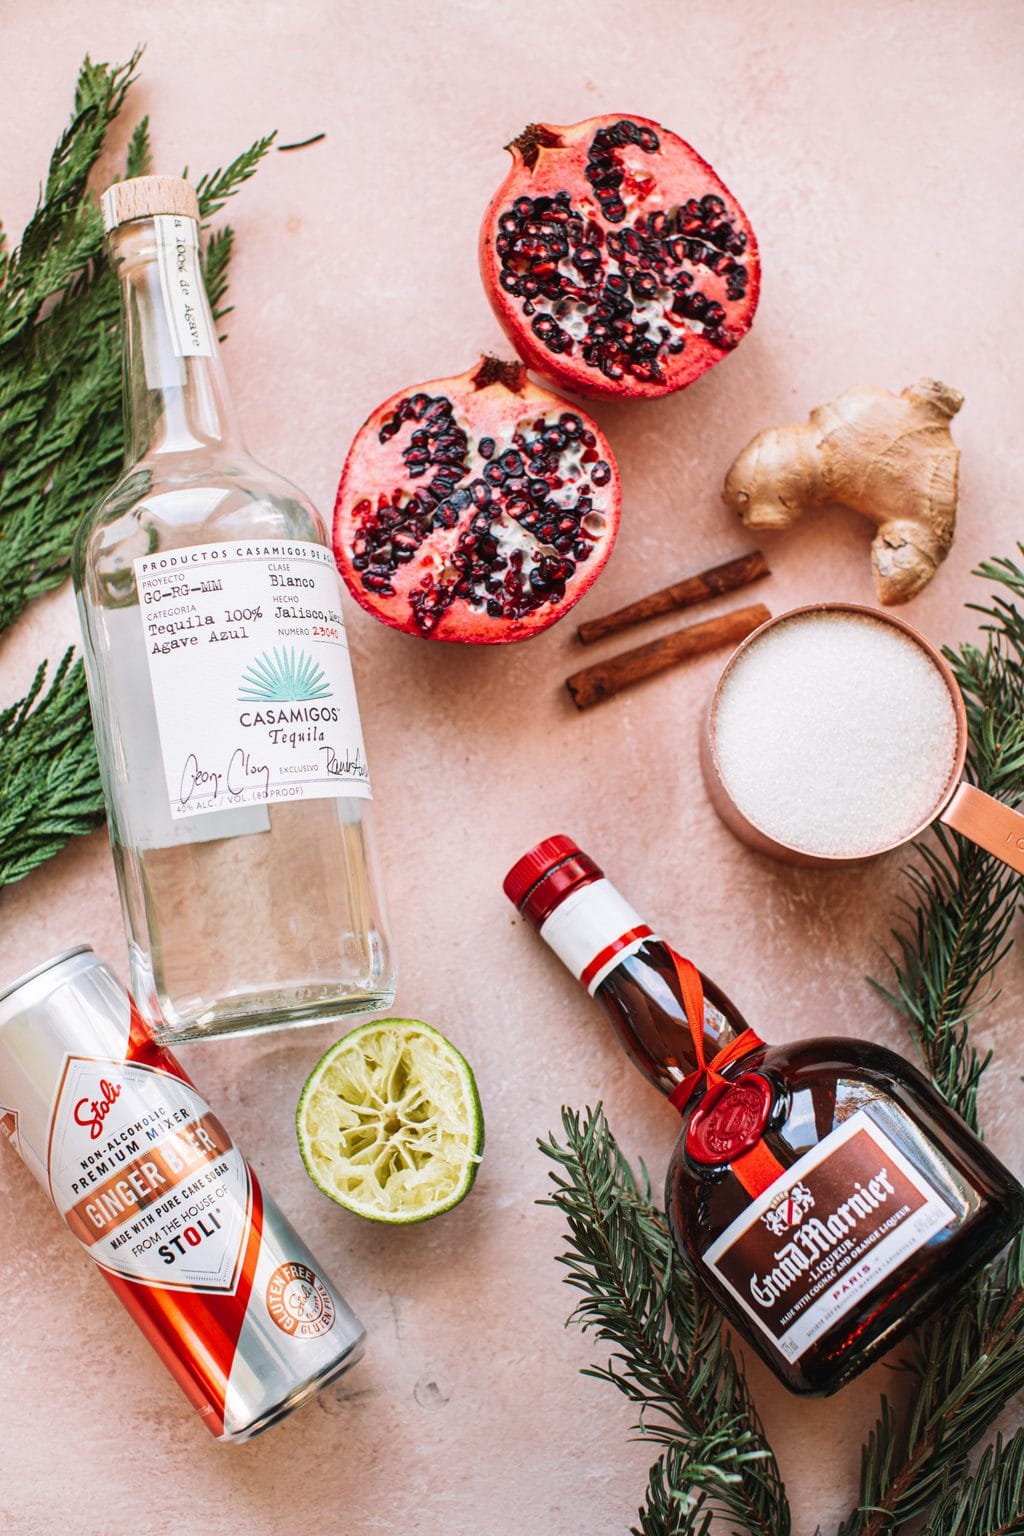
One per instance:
[(729, 1120)]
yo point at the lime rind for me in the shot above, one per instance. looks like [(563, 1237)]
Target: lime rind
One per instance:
[(389, 1122)]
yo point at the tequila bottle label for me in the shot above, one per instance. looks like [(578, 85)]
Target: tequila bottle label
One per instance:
[(250, 672), (827, 1232)]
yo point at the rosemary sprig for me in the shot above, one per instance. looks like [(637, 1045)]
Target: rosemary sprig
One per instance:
[(62, 437), (670, 1355)]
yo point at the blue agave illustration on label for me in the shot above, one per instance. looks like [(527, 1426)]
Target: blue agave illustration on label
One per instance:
[(282, 676)]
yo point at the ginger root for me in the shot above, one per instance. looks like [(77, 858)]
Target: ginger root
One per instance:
[(891, 457)]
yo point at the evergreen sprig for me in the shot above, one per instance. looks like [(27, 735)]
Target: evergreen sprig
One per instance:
[(62, 437), (966, 1365), (64, 234), (962, 901), (49, 780), (60, 376), (988, 1503), (670, 1356)]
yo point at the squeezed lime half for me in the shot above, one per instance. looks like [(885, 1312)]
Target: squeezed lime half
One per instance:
[(389, 1122)]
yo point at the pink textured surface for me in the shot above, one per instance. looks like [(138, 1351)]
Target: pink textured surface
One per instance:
[(868, 144)]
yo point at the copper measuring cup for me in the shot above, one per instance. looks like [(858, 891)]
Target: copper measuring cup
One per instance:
[(984, 820)]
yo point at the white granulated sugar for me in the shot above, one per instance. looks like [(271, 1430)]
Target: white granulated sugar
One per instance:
[(835, 734)]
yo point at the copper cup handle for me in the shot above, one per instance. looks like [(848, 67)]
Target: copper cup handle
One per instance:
[(992, 825)]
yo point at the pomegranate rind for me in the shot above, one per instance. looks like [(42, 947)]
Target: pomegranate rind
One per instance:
[(665, 180), (491, 401)]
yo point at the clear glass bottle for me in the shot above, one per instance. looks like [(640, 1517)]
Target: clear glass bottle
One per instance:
[(823, 1191), (227, 727)]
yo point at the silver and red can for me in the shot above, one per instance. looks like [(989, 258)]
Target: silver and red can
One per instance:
[(152, 1185)]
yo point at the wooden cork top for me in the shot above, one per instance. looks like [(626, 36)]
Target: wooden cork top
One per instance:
[(144, 196)]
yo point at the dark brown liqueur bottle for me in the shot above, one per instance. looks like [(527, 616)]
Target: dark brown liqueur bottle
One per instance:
[(823, 1192)]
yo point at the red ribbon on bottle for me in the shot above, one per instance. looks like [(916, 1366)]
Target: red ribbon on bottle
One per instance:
[(755, 1165)]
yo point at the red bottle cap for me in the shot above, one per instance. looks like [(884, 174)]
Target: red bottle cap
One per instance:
[(730, 1120), (542, 878)]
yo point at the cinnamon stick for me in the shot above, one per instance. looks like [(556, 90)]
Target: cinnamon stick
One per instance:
[(606, 678), (728, 577)]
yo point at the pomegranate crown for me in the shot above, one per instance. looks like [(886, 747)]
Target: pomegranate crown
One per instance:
[(528, 144), (495, 370)]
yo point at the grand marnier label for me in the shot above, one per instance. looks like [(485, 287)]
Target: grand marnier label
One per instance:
[(829, 1231), (249, 666)]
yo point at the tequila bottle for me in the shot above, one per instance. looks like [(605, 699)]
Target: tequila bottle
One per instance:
[(228, 732)]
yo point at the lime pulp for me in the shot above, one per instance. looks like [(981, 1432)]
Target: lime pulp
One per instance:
[(389, 1122)]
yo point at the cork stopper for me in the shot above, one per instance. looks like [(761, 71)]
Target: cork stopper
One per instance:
[(144, 196)]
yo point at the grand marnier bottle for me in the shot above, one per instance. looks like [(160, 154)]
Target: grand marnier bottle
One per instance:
[(230, 746), (824, 1192)]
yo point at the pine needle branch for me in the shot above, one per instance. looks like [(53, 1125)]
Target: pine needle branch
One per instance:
[(962, 901), (62, 444), (988, 1503), (64, 233), (60, 377), (214, 189), (215, 269), (969, 1363), (49, 779), (670, 1356)]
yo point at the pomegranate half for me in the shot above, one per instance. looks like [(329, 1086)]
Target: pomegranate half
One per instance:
[(475, 509), (617, 263)]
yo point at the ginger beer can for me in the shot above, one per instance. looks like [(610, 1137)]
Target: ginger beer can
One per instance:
[(162, 1200)]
